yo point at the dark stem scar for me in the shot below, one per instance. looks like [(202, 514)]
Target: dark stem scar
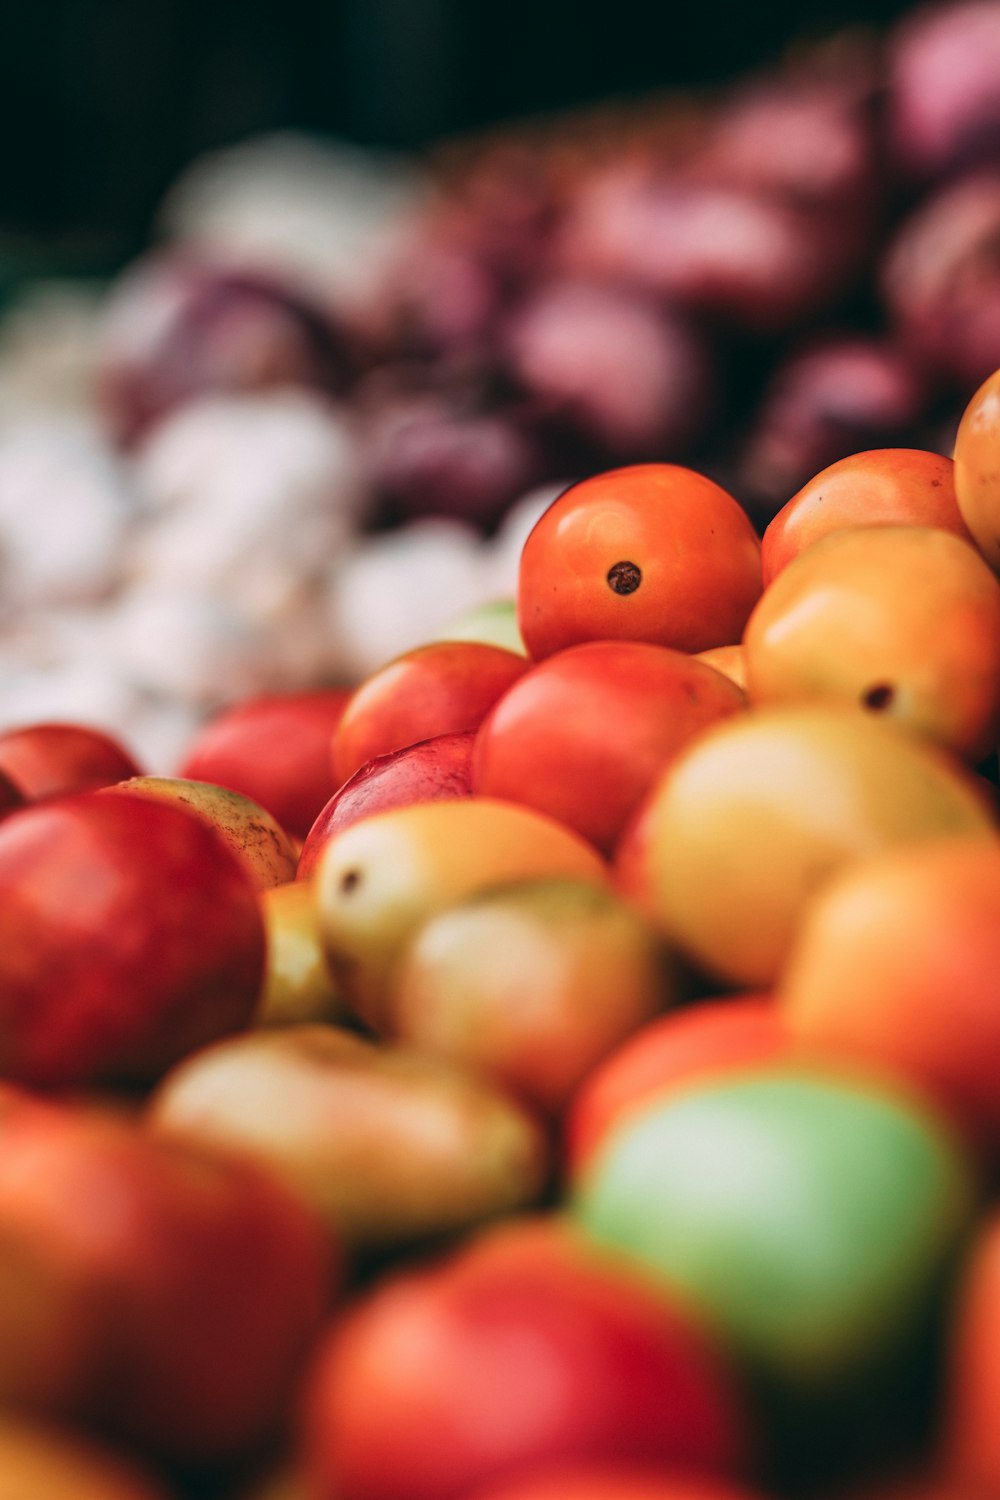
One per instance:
[(624, 577)]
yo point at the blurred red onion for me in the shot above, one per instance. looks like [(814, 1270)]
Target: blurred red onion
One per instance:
[(807, 136), (943, 87), (941, 281), (429, 454), (176, 327), (751, 261), (840, 396), (608, 367)]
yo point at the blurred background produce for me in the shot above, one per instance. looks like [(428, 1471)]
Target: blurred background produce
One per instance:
[(307, 313)]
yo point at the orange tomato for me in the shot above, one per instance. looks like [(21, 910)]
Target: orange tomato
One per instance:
[(898, 486), (654, 552)]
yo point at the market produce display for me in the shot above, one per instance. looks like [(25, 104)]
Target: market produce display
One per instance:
[(543, 1044)]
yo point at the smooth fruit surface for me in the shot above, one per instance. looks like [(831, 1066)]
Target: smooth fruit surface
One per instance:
[(904, 620), (441, 688), (807, 1216), (674, 1052), (654, 552), (129, 933), (440, 767), (531, 983), (274, 749), (529, 1345), (751, 820), (882, 486), (379, 879), (582, 735), (48, 760), (391, 1147), (895, 966), (977, 468)]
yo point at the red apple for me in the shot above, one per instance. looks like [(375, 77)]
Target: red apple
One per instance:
[(274, 749), (526, 1347), (44, 760), (189, 1284), (129, 934), (436, 768)]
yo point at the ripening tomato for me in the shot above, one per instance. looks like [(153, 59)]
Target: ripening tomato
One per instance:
[(653, 552), (977, 468), (882, 486)]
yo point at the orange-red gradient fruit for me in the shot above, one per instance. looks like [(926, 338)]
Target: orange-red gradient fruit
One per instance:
[(654, 552)]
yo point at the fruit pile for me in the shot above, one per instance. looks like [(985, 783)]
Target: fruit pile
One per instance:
[(562, 1066), (317, 418)]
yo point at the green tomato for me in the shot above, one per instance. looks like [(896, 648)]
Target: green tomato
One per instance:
[(808, 1217)]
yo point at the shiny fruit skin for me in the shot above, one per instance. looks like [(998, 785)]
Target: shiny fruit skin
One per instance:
[(297, 985), (583, 734), (653, 552), (904, 620), (807, 1216), (440, 767), (677, 1051), (441, 688), (167, 1245), (380, 878), (531, 984), (529, 1345), (391, 1147), (882, 486), (745, 827), (50, 759), (977, 468), (275, 749), (894, 968), (129, 934)]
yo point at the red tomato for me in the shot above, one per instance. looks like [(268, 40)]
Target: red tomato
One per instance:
[(443, 688), (583, 735), (654, 552)]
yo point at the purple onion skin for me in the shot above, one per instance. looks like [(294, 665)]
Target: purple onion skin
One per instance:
[(610, 375), (943, 89), (177, 327), (428, 454), (824, 402), (941, 281)]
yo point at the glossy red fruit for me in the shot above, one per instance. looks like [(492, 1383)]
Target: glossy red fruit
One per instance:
[(274, 749), (441, 688), (881, 486), (526, 1347), (153, 1254), (583, 734), (44, 760), (653, 552), (129, 934), (440, 767)]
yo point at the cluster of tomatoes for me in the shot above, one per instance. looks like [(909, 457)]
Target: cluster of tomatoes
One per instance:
[(562, 1066)]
